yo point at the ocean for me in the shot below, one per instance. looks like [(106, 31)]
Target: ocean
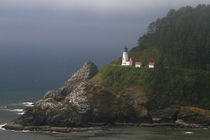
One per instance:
[(26, 74)]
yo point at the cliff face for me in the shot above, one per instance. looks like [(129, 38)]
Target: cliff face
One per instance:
[(66, 106), (83, 102)]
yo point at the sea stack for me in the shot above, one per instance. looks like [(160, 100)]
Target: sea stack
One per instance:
[(68, 106)]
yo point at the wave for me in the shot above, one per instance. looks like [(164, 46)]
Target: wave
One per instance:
[(3, 107), (20, 113), (1, 126), (28, 104), (25, 131), (188, 132), (13, 110), (17, 111)]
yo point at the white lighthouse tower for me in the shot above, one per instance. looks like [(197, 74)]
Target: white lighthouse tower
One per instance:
[(125, 60)]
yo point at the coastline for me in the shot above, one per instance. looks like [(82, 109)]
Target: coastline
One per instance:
[(92, 127), (80, 105)]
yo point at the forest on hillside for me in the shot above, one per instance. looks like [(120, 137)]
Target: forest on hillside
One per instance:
[(182, 38), (179, 44)]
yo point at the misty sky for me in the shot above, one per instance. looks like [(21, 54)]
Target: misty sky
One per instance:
[(42, 42), (80, 22)]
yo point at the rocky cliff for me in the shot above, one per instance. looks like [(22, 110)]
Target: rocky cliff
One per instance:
[(68, 106), (84, 103)]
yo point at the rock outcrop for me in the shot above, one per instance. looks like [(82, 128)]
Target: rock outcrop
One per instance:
[(82, 103), (68, 106), (182, 116)]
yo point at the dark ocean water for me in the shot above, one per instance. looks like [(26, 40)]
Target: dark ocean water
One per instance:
[(27, 73)]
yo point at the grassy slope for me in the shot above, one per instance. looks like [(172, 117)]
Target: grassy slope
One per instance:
[(165, 85), (141, 55), (115, 77), (170, 87)]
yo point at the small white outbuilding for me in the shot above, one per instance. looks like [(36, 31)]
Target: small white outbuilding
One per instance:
[(138, 64), (151, 64)]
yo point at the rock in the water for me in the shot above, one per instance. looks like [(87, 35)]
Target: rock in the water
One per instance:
[(68, 106), (165, 115), (194, 115), (181, 123), (182, 116)]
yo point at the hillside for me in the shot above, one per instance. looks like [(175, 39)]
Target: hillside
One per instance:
[(175, 93), (179, 43)]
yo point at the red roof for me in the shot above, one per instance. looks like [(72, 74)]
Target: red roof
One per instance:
[(138, 63), (151, 63), (128, 60), (125, 47)]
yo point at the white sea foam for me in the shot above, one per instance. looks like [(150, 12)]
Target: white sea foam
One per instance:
[(15, 110), (3, 107), (1, 126), (28, 104), (188, 132), (20, 113), (25, 131)]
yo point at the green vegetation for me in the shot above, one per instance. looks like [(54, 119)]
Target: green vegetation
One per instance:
[(145, 56), (182, 38), (116, 77), (179, 86), (179, 44)]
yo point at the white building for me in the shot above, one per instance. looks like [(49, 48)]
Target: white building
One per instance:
[(129, 62), (151, 64), (125, 60), (138, 64)]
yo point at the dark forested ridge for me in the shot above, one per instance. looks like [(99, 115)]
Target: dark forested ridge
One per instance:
[(179, 44), (182, 38)]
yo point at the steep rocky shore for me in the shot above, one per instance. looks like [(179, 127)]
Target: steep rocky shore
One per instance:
[(83, 105)]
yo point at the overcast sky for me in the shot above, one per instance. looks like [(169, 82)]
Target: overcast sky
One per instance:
[(80, 22), (42, 42)]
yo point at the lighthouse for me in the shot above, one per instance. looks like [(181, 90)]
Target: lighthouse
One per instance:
[(125, 60)]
